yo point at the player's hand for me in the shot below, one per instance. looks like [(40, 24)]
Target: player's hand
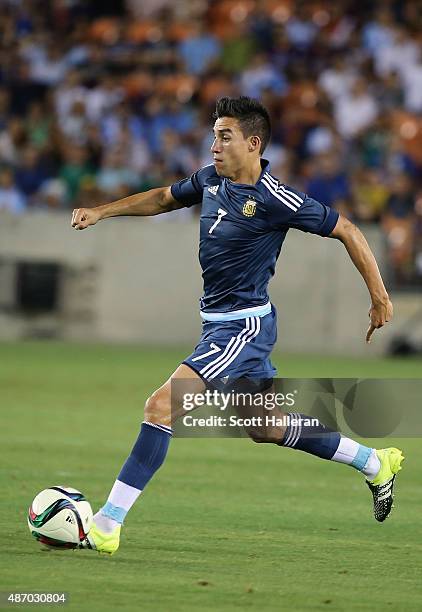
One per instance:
[(379, 314), (84, 217)]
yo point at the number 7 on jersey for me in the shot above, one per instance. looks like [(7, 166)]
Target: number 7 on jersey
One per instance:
[(221, 213)]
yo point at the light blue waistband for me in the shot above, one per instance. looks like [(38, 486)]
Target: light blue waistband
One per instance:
[(234, 315)]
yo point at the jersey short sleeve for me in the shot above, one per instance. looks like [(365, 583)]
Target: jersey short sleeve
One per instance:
[(189, 191), (291, 208), (313, 217)]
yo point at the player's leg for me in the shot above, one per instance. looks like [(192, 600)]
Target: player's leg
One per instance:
[(379, 466), (145, 458), (310, 435)]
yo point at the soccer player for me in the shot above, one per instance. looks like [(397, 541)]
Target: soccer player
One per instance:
[(245, 215)]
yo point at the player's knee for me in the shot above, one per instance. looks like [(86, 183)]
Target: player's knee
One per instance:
[(157, 408), (259, 436), (265, 436)]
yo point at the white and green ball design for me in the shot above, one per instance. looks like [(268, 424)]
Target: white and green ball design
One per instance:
[(60, 517)]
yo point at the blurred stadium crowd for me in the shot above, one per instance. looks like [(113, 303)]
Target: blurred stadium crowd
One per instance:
[(102, 99)]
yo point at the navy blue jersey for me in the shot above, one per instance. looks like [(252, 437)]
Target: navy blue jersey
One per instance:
[(242, 229)]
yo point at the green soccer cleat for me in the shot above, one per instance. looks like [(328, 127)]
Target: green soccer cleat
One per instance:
[(102, 542), (382, 486)]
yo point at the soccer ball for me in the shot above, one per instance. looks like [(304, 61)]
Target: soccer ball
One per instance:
[(60, 517)]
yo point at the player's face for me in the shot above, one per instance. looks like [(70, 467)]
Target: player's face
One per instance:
[(230, 148)]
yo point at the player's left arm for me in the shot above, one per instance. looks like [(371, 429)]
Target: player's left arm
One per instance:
[(381, 310)]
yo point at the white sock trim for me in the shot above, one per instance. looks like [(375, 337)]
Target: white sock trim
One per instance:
[(347, 451), (123, 495)]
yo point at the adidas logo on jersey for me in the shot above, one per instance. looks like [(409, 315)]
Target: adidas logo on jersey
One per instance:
[(213, 189)]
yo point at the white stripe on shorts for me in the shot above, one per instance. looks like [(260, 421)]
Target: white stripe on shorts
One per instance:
[(234, 339), (236, 344), (236, 350)]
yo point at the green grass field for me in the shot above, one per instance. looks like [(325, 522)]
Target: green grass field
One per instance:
[(225, 525)]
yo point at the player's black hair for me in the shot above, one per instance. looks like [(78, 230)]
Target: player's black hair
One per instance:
[(252, 116)]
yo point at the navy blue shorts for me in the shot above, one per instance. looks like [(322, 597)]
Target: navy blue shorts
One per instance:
[(233, 350)]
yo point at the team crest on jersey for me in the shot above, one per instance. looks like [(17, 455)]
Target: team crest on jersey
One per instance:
[(249, 208)]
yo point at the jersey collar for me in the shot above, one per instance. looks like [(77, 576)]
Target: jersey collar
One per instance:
[(266, 167)]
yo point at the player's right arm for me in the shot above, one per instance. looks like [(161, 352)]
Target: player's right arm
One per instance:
[(148, 203)]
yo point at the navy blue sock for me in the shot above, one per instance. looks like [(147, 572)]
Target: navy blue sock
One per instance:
[(147, 455), (308, 434)]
